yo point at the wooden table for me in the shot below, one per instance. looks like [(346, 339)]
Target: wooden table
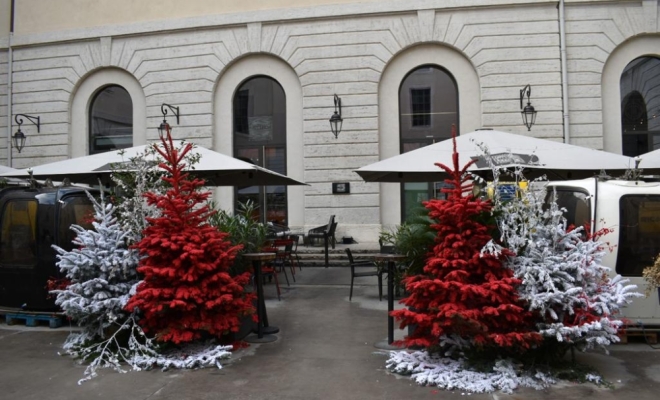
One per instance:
[(263, 328), (391, 260)]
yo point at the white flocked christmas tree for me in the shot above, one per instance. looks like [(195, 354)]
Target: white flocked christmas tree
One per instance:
[(101, 270)]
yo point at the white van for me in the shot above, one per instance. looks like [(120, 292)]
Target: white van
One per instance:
[(632, 210)]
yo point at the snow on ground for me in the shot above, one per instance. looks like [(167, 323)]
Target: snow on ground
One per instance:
[(450, 374)]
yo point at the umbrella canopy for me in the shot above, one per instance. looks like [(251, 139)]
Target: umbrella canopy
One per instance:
[(650, 161), (215, 168), (537, 156), (5, 169)]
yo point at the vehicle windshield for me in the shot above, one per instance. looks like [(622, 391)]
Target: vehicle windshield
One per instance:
[(76, 210), (575, 202), (639, 233)]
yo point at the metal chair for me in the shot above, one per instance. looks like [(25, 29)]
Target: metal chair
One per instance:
[(355, 274), (270, 270), (327, 233), (285, 255), (294, 252)]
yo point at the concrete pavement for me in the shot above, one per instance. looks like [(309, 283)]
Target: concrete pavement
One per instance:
[(325, 350)]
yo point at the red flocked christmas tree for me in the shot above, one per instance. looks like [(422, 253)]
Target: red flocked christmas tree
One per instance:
[(464, 295), (187, 292)]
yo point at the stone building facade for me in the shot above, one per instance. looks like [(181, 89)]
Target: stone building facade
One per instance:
[(257, 79)]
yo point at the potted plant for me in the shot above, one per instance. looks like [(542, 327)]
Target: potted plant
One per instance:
[(414, 239), (652, 276), (243, 229)]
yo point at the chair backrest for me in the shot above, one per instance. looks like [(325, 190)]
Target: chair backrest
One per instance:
[(295, 239), (281, 242), (331, 231), (330, 223), (350, 256)]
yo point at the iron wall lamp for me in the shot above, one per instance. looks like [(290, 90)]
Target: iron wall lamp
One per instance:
[(336, 120), (528, 113), (19, 136), (164, 127)]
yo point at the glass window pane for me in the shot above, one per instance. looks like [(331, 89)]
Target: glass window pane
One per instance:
[(74, 210), (428, 107), (640, 105), (259, 118), (111, 120), (259, 113), (18, 235), (576, 203), (421, 107), (638, 233), (428, 103)]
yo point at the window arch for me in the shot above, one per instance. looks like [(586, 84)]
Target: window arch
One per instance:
[(612, 92), (110, 120), (469, 109), (428, 107), (229, 81), (640, 106), (259, 136), (83, 97)]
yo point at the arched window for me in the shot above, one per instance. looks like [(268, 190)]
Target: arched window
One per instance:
[(640, 106), (110, 120), (259, 131), (428, 107)]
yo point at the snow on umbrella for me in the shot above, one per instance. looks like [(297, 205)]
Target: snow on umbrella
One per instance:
[(538, 157), (215, 168)]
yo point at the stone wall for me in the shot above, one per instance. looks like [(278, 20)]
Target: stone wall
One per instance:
[(507, 44)]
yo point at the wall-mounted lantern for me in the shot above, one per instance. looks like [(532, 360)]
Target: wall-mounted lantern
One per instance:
[(19, 137), (164, 127), (528, 113), (335, 119)]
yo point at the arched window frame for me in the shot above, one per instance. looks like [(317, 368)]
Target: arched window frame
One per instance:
[(228, 82), (610, 82), (411, 134), (469, 106), (95, 98), (275, 145), (81, 100)]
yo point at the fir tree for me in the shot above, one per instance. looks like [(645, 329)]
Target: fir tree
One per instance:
[(464, 297), (133, 179), (101, 270), (187, 291), (562, 277)]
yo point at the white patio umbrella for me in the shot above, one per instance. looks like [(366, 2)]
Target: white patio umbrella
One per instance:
[(215, 168), (538, 157), (650, 161), (5, 169)]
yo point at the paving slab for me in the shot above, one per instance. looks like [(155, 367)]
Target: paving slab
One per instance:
[(324, 350)]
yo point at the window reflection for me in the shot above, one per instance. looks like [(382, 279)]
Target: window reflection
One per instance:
[(428, 106), (640, 106), (259, 118), (18, 234), (110, 120)]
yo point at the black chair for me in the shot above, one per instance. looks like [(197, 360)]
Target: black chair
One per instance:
[(385, 248), (294, 252), (372, 272), (325, 232)]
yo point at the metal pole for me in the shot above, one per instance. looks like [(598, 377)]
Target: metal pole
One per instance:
[(390, 301), (256, 265)]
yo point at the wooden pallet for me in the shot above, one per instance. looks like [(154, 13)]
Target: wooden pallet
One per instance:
[(638, 336), (32, 318)]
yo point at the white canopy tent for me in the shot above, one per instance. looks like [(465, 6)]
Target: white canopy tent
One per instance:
[(537, 156), (650, 161), (215, 168)]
